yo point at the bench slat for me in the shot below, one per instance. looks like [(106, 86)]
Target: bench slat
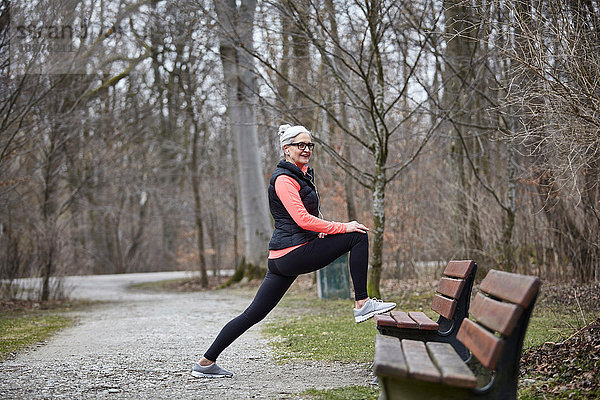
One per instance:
[(444, 306), (459, 269), (423, 320), (450, 287), (384, 320), (483, 344), (454, 370), (403, 320), (499, 316), (389, 358), (418, 362), (516, 288)]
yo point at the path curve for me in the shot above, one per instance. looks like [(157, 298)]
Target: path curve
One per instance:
[(141, 344)]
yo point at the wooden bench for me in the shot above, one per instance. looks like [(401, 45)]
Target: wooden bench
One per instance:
[(451, 302), (410, 369)]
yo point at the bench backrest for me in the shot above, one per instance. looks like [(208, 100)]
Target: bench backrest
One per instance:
[(456, 276), (503, 306)]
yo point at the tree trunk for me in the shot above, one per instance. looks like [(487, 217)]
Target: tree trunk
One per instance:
[(301, 65), (591, 223), (198, 208), (165, 135), (283, 86), (240, 81), (456, 101), (132, 256), (380, 146), (509, 216), (569, 241), (52, 163), (377, 239), (347, 148)]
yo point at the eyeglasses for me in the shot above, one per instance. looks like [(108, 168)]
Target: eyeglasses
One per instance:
[(303, 145)]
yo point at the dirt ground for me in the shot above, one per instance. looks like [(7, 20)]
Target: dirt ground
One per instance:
[(141, 344)]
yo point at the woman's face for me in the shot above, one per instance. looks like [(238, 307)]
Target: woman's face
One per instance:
[(293, 153)]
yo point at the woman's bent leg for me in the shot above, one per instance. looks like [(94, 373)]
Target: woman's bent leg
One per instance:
[(268, 295), (318, 253)]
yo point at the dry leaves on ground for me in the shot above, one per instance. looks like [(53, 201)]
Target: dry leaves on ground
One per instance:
[(573, 364)]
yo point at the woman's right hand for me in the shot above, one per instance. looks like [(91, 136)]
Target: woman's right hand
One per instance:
[(354, 226)]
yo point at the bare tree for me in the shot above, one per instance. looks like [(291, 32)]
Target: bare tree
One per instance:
[(95, 206), (557, 64), (236, 34), (375, 84), (458, 77)]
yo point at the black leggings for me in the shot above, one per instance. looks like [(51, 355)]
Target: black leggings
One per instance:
[(282, 272)]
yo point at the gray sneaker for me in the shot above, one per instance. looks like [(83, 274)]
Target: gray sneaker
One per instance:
[(210, 371), (372, 307)]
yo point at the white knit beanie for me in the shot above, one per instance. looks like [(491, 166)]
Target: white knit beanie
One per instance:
[(287, 133)]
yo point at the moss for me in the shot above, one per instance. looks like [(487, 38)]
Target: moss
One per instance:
[(246, 271)]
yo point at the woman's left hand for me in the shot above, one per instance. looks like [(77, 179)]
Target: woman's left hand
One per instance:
[(354, 226), (322, 235)]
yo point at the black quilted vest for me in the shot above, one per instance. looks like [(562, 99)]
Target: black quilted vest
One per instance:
[(287, 233)]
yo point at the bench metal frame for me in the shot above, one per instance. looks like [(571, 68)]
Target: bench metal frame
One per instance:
[(503, 382)]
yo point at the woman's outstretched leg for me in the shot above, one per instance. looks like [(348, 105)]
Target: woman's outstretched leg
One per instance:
[(268, 295)]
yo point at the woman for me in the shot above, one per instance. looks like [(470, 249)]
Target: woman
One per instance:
[(301, 243)]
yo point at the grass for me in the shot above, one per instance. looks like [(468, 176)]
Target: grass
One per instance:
[(329, 334), (344, 393), (165, 285), (181, 284), (22, 326), (550, 323)]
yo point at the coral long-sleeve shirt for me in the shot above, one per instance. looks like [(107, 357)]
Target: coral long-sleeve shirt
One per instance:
[(288, 191)]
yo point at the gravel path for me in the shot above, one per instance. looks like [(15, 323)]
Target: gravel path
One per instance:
[(141, 345)]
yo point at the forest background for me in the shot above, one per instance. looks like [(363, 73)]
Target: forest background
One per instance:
[(140, 135)]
